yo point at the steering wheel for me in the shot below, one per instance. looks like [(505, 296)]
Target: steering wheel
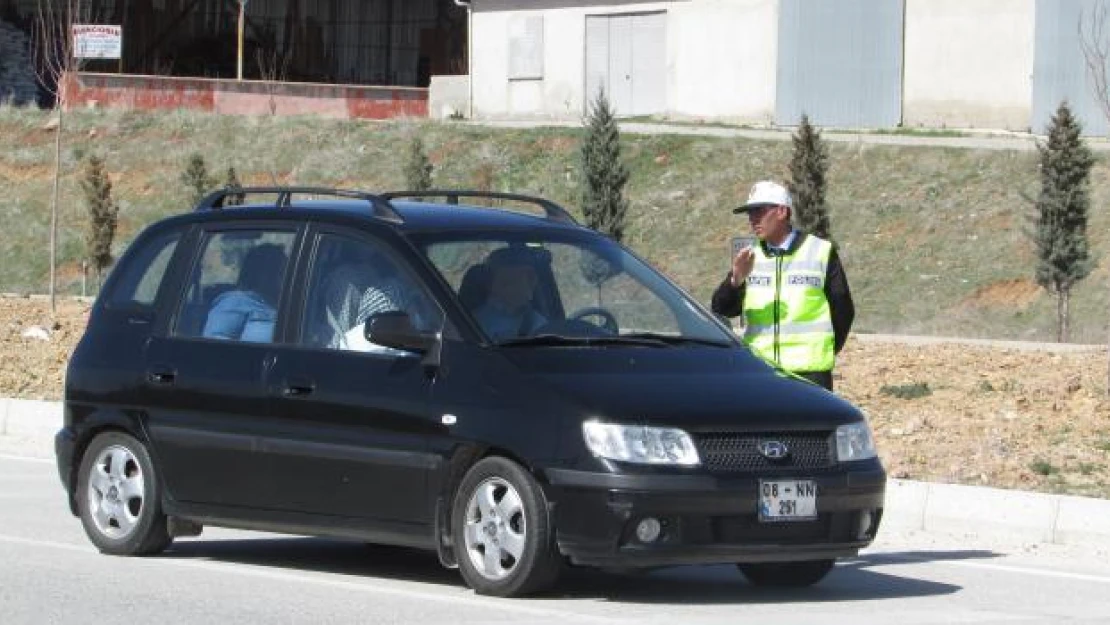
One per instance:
[(608, 321)]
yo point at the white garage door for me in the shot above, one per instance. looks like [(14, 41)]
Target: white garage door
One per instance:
[(627, 56)]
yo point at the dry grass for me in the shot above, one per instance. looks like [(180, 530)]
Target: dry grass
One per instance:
[(932, 238)]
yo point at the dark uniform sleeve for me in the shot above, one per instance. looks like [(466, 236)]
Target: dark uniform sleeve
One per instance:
[(840, 300), (728, 300)]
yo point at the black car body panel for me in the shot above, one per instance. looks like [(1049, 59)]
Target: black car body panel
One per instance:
[(286, 436)]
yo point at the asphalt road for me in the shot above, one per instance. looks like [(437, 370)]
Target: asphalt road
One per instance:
[(51, 574)]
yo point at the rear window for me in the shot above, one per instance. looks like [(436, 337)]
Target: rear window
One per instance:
[(144, 271)]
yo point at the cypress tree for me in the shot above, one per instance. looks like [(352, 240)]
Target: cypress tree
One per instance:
[(604, 174), (103, 215), (196, 179), (418, 169), (1060, 232), (232, 184), (808, 165)]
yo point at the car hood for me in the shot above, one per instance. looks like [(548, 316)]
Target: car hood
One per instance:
[(696, 388)]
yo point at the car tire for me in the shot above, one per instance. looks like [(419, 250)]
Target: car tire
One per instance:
[(786, 574), (119, 497), (503, 535)]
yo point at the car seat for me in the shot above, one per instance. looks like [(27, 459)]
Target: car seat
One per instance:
[(474, 287)]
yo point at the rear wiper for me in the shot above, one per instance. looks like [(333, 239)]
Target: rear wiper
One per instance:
[(560, 340), (672, 339)]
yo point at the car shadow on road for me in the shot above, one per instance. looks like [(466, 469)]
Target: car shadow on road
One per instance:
[(853, 579), (322, 556)]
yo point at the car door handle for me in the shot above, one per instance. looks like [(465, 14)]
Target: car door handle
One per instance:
[(298, 388), (161, 376)]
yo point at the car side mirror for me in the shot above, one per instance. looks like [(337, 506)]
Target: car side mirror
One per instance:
[(394, 329)]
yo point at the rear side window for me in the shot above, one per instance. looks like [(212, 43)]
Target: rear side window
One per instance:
[(234, 288), (142, 276)]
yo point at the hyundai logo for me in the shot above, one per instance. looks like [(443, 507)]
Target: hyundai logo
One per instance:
[(774, 450)]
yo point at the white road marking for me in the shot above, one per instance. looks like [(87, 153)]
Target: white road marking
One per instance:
[(26, 459), (1021, 570), (473, 601), (1003, 568)]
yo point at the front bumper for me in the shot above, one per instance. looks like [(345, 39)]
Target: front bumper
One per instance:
[(708, 519)]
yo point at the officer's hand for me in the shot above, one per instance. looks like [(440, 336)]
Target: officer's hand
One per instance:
[(742, 265)]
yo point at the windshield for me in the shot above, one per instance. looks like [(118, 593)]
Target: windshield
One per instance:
[(566, 288)]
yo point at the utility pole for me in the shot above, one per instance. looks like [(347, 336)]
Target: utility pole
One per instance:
[(242, 24)]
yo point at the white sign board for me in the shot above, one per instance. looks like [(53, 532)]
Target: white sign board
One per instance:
[(97, 41)]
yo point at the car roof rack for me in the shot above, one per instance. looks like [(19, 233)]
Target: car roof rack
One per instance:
[(217, 199), (553, 211)]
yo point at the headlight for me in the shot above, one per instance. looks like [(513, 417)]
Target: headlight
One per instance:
[(854, 442), (644, 445)]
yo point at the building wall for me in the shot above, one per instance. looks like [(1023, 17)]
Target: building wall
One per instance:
[(720, 57), (969, 64)]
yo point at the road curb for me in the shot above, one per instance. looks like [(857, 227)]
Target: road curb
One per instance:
[(1003, 514), (28, 428)]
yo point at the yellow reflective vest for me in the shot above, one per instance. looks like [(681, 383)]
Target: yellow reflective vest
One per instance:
[(786, 314)]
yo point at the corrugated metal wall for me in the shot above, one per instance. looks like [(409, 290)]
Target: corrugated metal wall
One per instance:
[(1059, 67), (379, 42), (840, 62)]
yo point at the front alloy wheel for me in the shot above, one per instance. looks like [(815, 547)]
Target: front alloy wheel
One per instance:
[(496, 529), (503, 536)]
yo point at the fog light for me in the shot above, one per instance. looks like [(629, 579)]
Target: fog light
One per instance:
[(648, 530), (864, 524)]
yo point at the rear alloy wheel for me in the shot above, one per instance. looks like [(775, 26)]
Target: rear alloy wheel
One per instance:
[(119, 497), (504, 541), (786, 574)]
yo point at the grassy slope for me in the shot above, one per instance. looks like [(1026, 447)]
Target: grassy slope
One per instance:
[(932, 237)]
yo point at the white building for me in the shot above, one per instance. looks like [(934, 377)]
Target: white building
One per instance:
[(863, 63)]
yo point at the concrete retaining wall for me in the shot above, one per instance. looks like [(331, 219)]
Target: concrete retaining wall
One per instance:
[(247, 97)]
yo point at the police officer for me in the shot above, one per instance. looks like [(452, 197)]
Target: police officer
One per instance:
[(790, 289)]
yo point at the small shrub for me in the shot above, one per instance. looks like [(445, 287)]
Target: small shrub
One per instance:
[(196, 179), (231, 184), (1043, 467), (103, 215), (1087, 468), (907, 391), (418, 169), (808, 167), (604, 173)]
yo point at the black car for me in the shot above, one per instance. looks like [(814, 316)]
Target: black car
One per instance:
[(512, 390)]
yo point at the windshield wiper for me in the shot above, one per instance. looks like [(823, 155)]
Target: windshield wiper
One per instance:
[(672, 339), (586, 341)]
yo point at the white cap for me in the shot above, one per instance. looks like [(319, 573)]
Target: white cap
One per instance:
[(766, 193)]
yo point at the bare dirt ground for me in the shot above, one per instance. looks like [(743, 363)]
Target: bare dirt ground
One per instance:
[(1025, 419)]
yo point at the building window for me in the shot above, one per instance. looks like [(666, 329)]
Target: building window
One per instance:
[(526, 47)]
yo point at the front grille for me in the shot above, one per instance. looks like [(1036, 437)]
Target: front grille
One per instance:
[(739, 453)]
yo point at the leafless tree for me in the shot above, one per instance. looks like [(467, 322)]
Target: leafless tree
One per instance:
[(1095, 44), (52, 54), (272, 69)]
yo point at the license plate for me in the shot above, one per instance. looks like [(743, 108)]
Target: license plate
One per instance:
[(787, 500)]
